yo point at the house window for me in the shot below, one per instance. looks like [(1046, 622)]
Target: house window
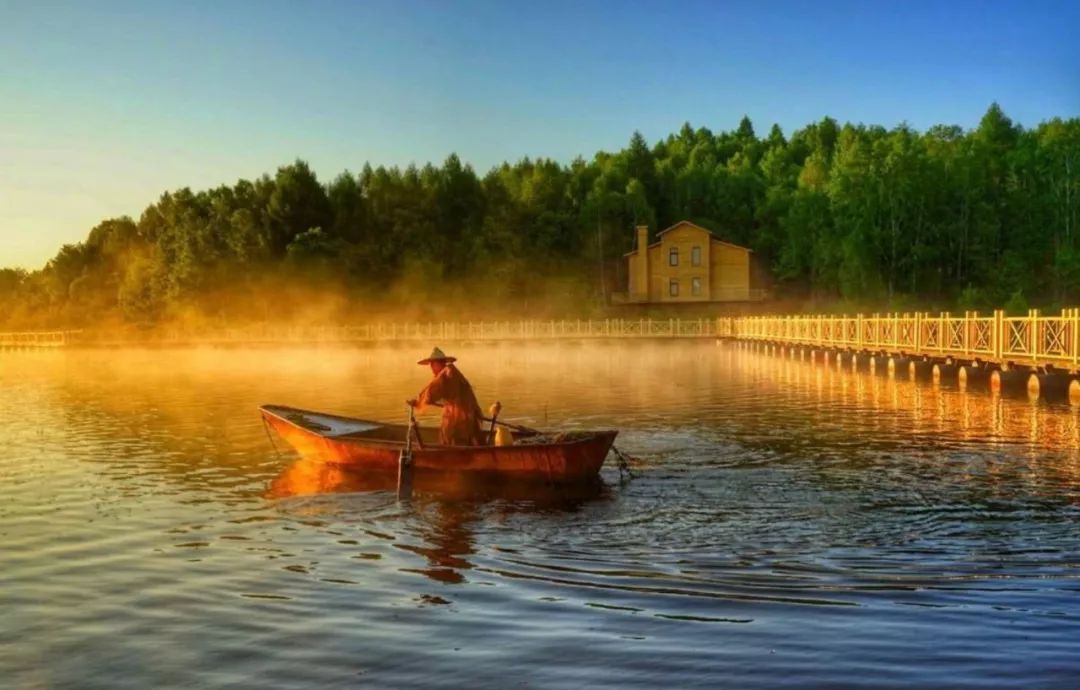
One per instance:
[(695, 286), (673, 256), (695, 256), (673, 287)]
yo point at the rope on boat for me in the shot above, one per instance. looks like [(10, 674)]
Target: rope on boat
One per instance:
[(622, 461), (266, 427)]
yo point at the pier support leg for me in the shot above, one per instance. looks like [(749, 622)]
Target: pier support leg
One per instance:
[(1048, 386), (972, 375), (920, 369), (944, 371), (1008, 381), (879, 364), (894, 365)]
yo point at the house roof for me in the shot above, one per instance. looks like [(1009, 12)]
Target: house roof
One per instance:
[(680, 224)]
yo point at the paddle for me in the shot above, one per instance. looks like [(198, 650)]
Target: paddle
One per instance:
[(405, 459), (492, 420)]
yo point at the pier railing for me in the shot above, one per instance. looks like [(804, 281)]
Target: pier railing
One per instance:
[(1034, 340), (36, 339), (446, 331)]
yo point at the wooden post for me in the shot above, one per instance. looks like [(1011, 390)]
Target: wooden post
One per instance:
[(1034, 337), (942, 324), (1074, 327), (918, 333), (965, 339), (996, 335)]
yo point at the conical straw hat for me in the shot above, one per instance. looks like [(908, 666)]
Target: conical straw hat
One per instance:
[(437, 356)]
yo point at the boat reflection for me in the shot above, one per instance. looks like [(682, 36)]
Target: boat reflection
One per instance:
[(308, 477), (449, 539), (445, 510)]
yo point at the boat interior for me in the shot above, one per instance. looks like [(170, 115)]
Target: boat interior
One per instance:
[(337, 427)]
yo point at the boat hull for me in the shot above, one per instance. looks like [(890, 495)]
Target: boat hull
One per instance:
[(575, 460)]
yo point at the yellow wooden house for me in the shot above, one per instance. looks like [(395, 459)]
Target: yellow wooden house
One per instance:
[(687, 263)]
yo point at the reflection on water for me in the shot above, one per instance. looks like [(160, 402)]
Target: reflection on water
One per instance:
[(449, 505), (305, 477), (793, 524)]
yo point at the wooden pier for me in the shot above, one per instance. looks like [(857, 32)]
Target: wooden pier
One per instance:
[(1036, 352), (34, 340), (1034, 340), (451, 332), (385, 333)]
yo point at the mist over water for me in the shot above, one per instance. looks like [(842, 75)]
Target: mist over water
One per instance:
[(791, 525)]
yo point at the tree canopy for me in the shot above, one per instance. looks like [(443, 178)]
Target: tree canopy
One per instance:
[(886, 218)]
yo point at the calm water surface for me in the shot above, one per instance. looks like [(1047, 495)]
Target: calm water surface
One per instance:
[(791, 526)]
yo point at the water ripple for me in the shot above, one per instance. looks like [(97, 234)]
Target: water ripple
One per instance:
[(791, 525)]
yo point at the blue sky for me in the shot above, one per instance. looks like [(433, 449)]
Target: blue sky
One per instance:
[(104, 105)]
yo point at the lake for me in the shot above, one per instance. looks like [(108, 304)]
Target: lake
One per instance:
[(790, 525)]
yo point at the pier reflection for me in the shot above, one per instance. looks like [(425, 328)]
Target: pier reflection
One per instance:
[(899, 409)]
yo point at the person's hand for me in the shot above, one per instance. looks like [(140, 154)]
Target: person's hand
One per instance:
[(411, 403)]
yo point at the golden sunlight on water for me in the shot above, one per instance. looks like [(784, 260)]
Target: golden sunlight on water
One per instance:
[(792, 524)]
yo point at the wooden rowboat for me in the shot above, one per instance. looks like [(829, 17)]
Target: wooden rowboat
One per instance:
[(361, 444)]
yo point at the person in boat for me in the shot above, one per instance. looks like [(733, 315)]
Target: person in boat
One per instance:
[(451, 390)]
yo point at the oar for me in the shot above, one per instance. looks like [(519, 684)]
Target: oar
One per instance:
[(515, 427), (405, 459), (493, 421)]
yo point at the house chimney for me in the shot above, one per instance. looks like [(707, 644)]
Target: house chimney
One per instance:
[(639, 268)]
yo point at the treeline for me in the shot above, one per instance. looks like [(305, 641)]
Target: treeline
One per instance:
[(897, 218)]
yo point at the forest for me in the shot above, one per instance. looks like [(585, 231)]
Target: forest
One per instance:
[(848, 216)]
